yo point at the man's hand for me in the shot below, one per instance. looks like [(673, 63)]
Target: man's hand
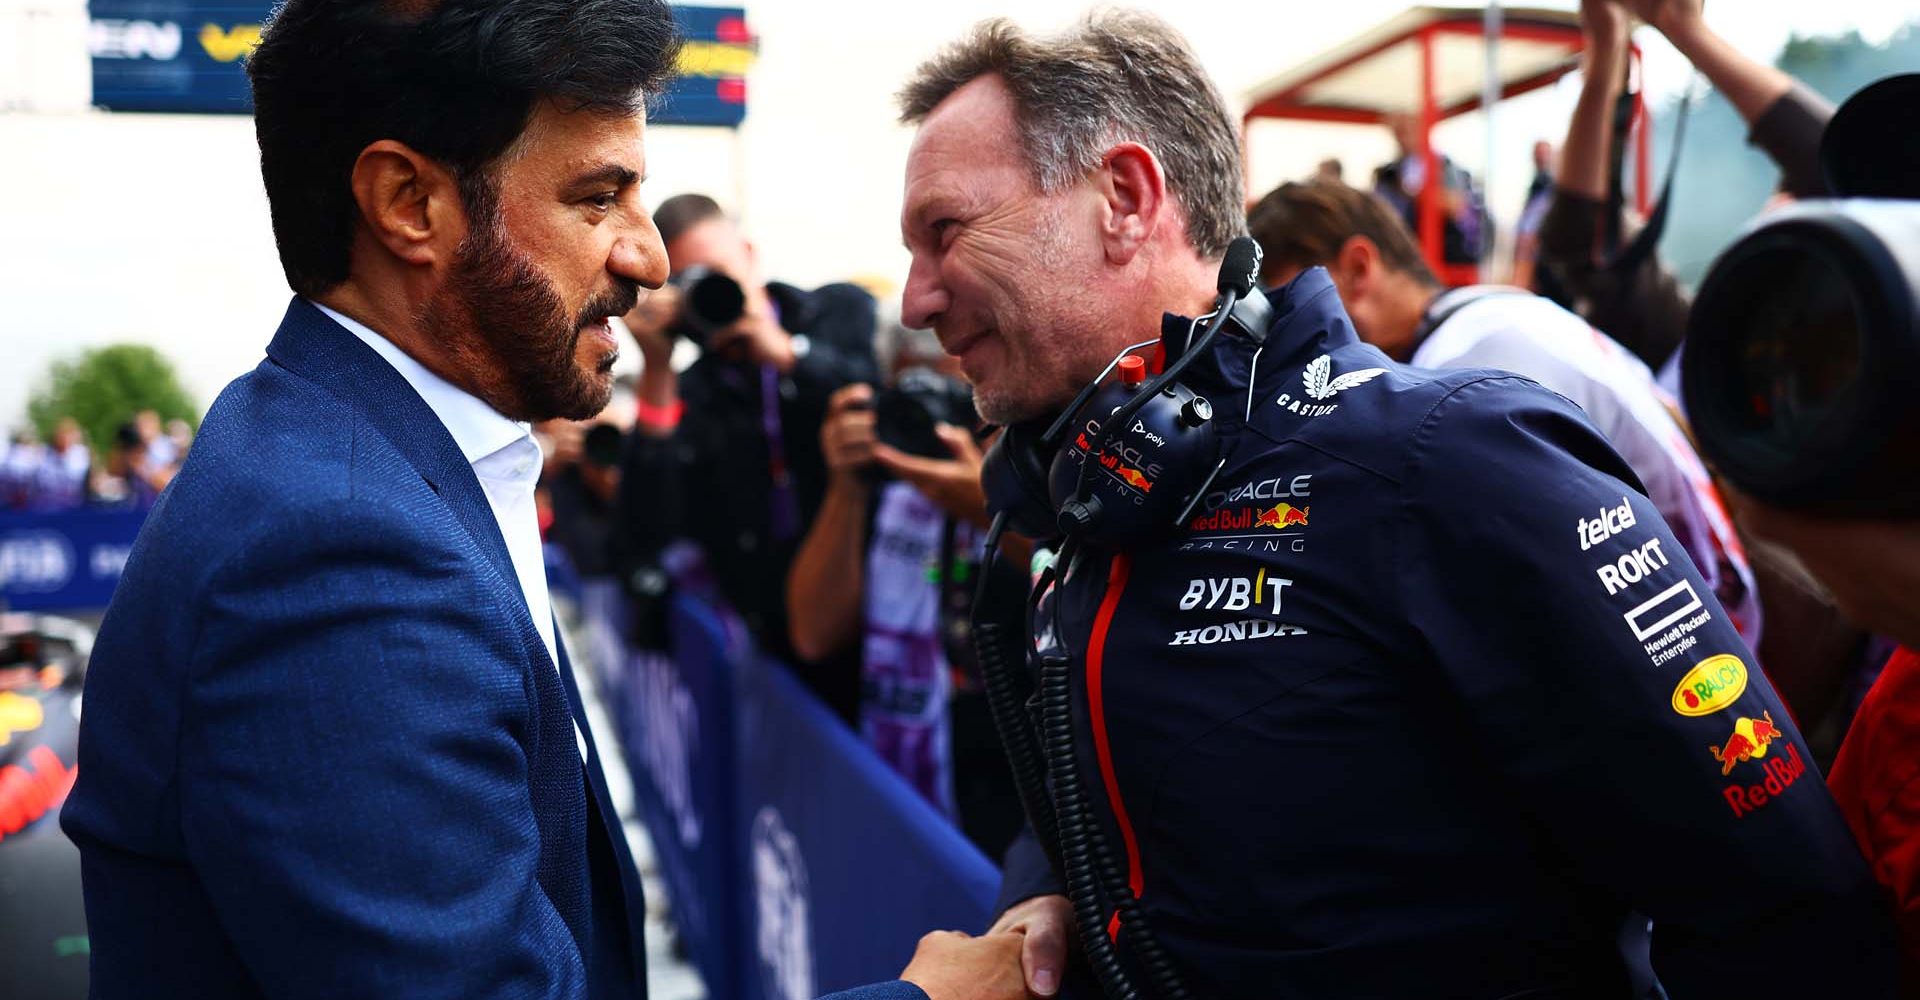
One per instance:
[(650, 320), (951, 965), (951, 483), (757, 335), (846, 434), (1666, 16), (1045, 925)]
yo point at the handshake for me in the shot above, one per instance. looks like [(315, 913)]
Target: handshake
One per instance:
[(1022, 956)]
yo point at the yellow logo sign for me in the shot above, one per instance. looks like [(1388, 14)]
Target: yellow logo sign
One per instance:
[(1711, 685), (714, 59), (18, 715), (227, 44)]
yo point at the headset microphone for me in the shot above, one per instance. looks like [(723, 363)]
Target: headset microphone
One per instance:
[(1127, 459)]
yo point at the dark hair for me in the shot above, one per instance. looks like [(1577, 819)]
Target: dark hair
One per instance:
[(682, 212), (1116, 76), (1304, 225), (456, 80)]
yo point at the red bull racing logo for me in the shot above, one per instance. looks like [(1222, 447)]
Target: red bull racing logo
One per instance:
[(1280, 517), (1124, 463), (1749, 741)]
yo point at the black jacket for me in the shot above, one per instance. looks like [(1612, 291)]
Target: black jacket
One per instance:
[(710, 481)]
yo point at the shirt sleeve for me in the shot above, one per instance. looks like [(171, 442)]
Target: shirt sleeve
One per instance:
[(1789, 132), (1609, 691), (354, 787), (1026, 872)]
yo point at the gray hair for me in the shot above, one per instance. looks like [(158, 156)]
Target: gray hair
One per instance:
[(1117, 76)]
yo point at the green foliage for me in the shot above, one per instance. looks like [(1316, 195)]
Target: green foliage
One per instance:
[(1723, 182), (104, 387)]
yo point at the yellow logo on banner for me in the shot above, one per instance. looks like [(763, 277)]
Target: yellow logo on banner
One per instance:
[(1710, 686), (715, 59), (226, 45)]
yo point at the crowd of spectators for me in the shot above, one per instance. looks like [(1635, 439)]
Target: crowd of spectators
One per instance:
[(64, 473)]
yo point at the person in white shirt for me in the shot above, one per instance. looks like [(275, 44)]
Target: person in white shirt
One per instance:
[(1398, 306)]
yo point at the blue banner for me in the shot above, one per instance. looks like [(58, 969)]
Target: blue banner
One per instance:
[(846, 865), (796, 862), (187, 56), (675, 717), (67, 561)]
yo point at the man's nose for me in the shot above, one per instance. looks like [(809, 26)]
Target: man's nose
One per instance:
[(639, 255), (925, 297)]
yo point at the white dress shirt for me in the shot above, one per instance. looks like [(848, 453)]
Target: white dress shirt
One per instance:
[(506, 460)]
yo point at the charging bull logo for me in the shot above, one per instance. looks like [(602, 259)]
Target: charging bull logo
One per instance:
[(1749, 741), (1132, 477), (1281, 516), (18, 715)]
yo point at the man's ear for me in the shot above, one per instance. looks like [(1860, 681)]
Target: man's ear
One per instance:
[(409, 204), (1133, 190), (1357, 265)]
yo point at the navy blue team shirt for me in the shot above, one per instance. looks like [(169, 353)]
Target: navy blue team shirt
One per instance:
[(1426, 701)]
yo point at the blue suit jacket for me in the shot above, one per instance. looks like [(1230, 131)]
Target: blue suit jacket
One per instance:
[(325, 753)]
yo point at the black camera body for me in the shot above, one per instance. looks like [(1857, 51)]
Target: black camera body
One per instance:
[(905, 413), (712, 301), (1801, 368)]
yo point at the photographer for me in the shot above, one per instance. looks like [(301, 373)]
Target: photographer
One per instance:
[(728, 453), (1636, 300), (1799, 368), (888, 568)]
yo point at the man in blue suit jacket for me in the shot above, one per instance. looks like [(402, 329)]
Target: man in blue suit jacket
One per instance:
[(333, 748)]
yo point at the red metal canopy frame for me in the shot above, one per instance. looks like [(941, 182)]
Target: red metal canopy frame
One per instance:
[(1554, 35)]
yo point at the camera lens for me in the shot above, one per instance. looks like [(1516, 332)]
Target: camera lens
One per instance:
[(713, 301), (1799, 365), (716, 301), (1801, 352)]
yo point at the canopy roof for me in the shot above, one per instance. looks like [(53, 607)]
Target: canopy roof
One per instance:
[(1379, 72)]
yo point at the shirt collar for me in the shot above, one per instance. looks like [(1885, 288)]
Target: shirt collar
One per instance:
[(478, 429)]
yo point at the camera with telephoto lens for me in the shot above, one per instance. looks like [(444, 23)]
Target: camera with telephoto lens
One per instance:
[(905, 413), (1803, 348), (711, 302)]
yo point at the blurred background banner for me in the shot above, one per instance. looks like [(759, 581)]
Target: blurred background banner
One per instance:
[(675, 718), (712, 86), (172, 55), (846, 864), (64, 560), (796, 861), (187, 56)]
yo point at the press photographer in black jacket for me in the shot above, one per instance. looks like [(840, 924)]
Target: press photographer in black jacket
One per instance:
[(727, 453)]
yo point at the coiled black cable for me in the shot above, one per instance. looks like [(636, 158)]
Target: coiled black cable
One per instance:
[(1095, 883), (1004, 679), (1061, 816)]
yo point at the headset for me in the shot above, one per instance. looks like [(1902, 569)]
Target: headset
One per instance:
[(1126, 461), (1123, 479)]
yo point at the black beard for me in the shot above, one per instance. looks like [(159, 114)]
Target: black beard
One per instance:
[(505, 323)]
